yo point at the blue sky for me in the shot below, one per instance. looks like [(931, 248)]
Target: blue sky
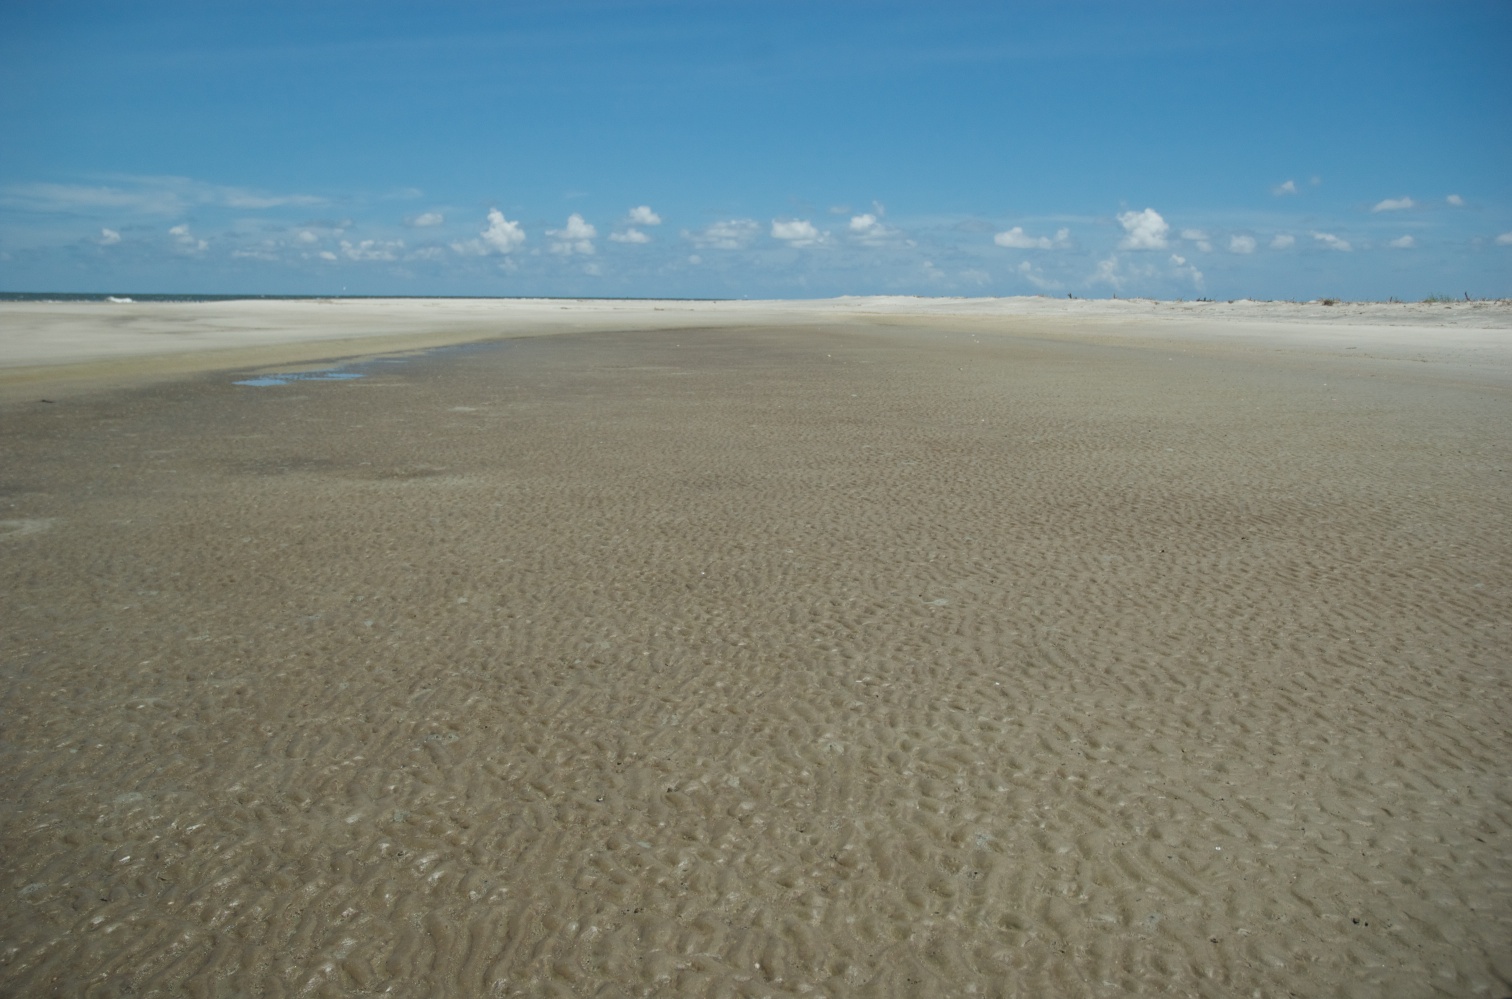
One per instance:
[(772, 149)]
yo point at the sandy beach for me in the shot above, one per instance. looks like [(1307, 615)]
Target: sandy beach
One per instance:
[(872, 647)]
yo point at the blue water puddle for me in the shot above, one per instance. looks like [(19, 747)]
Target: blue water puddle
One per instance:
[(263, 381)]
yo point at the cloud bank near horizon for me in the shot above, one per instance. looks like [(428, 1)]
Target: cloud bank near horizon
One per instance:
[(1116, 253)]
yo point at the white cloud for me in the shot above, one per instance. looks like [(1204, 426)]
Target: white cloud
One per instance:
[(1394, 205), (1108, 273), (631, 235), (1505, 239), (643, 215), (327, 255), (1017, 239), (82, 198), (694, 259), (143, 195), (307, 237), (1146, 230), (798, 232), (1402, 243), (1455, 200), (867, 228), (1283, 241), (575, 237), (1290, 187), (371, 249), (109, 236), (732, 234), (426, 253), (1183, 269), (186, 240), (1241, 244), (1198, 237), (234, 197), (1333, 242), (425, 220), (500, 236), (1035, 276)]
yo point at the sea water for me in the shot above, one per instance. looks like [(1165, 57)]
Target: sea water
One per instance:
[(263, 381)]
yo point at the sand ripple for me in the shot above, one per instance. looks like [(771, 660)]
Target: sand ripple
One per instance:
[(771, 662)]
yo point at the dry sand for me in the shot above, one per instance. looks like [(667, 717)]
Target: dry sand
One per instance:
[(896, 648)]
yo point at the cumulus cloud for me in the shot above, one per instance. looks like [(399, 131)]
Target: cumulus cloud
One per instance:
[(1290, 187), (1505, 239), (732, 234), (1241, 244), (639, 215), (1017, 239), (1283, 241), (868, 229), (1402, 243), (575, 237), (371, 249), (797, 232), (1198, 237), (1394, 205), (109, 236), (500, 236), (327, 255), (1144, 230), (643, 215), (1184, 269), (425, 220), (307, 237), (1455, 200), (1333, 242), (186, 240)]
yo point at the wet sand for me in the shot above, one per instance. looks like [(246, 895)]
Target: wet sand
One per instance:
[(870, 651)]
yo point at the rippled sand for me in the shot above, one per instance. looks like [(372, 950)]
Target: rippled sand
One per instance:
[(895, 660)]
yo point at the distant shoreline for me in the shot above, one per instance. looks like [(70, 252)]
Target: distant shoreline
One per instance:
[(84, 344), (133, 297)]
